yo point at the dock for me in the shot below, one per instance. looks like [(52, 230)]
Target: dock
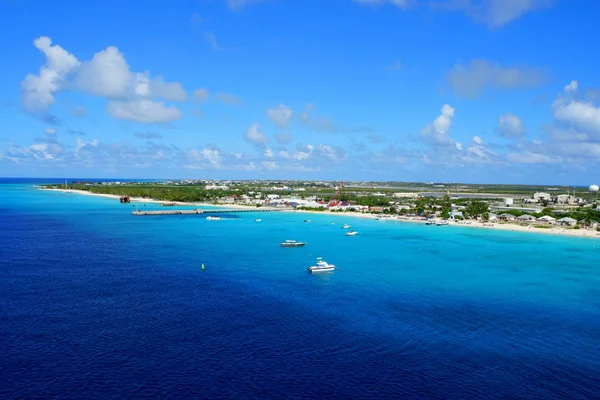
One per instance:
[(200, 211)]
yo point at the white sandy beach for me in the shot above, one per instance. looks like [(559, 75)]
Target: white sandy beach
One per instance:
[(553, 230)]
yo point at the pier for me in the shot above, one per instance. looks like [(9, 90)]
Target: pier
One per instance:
[(200, 211)]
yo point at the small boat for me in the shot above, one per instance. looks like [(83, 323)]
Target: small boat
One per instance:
[(346, 226), (431, 222), (307, 220), (351, 233), (442, 222), (258, 220), (292, 243), (322, 266), (211, 218)]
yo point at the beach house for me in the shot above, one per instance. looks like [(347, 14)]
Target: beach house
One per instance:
[(546, 219), (526, 218), (506, 217), (566, 221)]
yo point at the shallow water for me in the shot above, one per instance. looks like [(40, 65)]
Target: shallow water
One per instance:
[(97, 303)]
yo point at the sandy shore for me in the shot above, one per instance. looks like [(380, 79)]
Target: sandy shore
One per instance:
[(503, 226), (553, 230)]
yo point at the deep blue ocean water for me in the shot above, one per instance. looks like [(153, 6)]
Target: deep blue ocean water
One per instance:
[(96, 303)]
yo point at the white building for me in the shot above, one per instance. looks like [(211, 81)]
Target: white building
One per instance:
[(566, 221), (539, 196), (566, 199), (509, 201), (406, 195), (547, 219), (216, 187)]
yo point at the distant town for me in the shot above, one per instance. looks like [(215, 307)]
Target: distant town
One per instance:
[(573, 207)]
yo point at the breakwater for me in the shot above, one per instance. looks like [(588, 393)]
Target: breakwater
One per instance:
[(200, 211)]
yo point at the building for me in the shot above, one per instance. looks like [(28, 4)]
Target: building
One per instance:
[(509, 201), (565, 199), (539, 196), (506, 217), (216, 187), (566, 221), (547, 219), (526, 218), (455, 214), (406, 195)]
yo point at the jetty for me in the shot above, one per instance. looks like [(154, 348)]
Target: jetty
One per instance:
[(200, 211)]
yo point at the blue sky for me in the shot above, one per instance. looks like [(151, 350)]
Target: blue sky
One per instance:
[(490, 91)]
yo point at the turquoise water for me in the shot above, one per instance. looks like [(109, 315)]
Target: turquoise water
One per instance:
[(412, 311)]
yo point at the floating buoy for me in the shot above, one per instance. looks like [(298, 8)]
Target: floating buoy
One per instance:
[(202, 267)]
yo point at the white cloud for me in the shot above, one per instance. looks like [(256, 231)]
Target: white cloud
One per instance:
[(270, 165), (584, 117), (268, 152), (50, 131), (331, 153), (83, 147), (212, 156), (143, 111), (472, 79), (493, 13), (107, 75), (172, 91), (572, 87), (284, 138), (280, 115), (200, 95), (529, 157), (478, 153), (207, 157), (510, 126), (38, 90), (436, 133), (254, 135)]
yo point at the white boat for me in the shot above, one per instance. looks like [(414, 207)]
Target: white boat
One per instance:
[(307, 220), (322, 266), (211, 218), (351, 233), (346, 226), (431, 222), (292, 243), (442, 222), (258, 220)]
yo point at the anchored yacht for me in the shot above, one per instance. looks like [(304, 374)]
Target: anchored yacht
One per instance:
[(292, 243), (211, 218), (351, 233), (322, 266)]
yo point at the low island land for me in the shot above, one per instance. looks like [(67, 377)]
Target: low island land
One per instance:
[(572, 211)]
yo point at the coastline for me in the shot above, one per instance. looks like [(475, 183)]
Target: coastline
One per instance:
[(553, 230)]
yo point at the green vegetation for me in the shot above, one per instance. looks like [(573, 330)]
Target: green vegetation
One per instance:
[(158, 192)]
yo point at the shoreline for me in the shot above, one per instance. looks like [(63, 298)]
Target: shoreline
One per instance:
[(553, 230)]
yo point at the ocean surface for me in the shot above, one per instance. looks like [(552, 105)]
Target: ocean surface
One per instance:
[(97, 303)]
